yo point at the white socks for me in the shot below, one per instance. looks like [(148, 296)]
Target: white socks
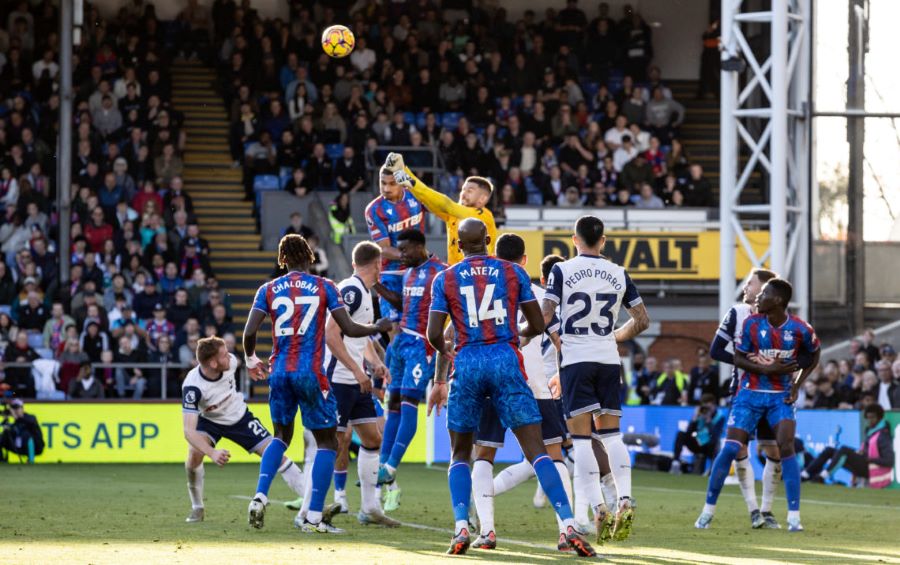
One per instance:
[(307, 491), (309, 440), (771, 478), (195, 485), (292, 475), (483, 491), (367, 468), (608, 486), (743, 468), (619, 462), (587, 475), (512, 476)]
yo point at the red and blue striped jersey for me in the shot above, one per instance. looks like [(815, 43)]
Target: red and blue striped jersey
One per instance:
[(783, 343), (482, 295), (386, 219), (298, 304), (417, 295)]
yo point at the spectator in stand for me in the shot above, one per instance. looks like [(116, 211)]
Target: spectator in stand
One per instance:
[(868, 345), (85, 386), (350, 172), (704, 379), (129, 378), (669, 387), (664, 115), (648, 199), (320, 170), (158, 326), (887, 386), (19, 379), (697, 190), (645, 379), (54, 333), (298, 227)]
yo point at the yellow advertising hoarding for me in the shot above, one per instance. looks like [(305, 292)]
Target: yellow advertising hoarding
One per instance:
[(650, 255), (135, 432)]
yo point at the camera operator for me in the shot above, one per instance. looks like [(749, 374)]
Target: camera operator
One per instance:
[(703, 433), (22, 435)]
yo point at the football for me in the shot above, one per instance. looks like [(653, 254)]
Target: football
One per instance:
[(338, 41)]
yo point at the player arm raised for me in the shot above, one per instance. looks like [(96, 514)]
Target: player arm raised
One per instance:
[(395, 299), (436, 202), (335, 343), (200, 442)]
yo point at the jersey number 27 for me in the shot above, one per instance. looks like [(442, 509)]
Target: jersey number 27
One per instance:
[(489, 309), (283, 325)]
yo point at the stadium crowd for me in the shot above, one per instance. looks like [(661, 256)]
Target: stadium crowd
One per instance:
[(141, 288), (564, 110)]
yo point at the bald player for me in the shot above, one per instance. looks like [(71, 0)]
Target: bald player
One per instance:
[(474, 195), (482, 295)]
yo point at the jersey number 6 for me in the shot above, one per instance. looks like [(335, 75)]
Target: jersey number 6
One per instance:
[(574, 324), (281, 322)]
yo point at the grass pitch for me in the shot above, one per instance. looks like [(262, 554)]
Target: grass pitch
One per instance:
[(135, 514)]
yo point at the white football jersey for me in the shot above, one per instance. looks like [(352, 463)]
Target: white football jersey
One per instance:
[(358, 300), (533, 357), (589, 291), (218, 401), (733, 324)]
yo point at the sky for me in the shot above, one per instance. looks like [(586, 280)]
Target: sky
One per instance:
[(882, 147)]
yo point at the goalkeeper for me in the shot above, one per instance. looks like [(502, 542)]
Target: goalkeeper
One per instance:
[(473, 197)]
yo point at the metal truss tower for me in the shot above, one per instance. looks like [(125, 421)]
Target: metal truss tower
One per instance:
[(765, 116)]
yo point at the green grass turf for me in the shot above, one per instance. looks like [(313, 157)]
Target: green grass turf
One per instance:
[(134, 514)]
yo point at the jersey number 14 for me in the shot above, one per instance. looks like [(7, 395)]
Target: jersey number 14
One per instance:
[(283, 325), (489, 309)]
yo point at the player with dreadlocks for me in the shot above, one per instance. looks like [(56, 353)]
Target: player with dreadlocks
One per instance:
[(298, 304)]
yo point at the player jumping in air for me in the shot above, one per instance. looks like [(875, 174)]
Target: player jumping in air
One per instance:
[(353, 388), (511, 247), (474, 195), (390, 213), (722, 350), (770, 345), (588, 290), (482, 295), (298, 304), (214, 409), (412, 359)]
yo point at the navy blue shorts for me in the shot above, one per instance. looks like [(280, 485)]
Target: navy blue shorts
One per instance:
[(561, 416), (491, 432), (591, 387), (354, 407), (248, 432)]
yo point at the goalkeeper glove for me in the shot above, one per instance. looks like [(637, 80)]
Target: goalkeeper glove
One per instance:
[(402, 177), (394, 162)]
